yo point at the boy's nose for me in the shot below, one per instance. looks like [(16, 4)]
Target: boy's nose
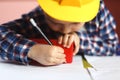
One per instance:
[(66, 30)]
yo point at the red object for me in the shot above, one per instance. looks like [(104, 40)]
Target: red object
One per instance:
[(68, 51)]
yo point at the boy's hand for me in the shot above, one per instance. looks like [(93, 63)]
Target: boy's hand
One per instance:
[(68, 39), (47, 54)]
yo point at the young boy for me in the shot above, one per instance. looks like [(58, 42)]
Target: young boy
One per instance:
[(87, 23)]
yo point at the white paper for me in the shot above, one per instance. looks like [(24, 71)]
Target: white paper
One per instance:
[(108, 68)]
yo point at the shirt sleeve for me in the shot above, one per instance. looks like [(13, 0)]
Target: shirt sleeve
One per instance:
[(14, 38), (99, 37)]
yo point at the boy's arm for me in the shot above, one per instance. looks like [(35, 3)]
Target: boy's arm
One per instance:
[(14, 44), (100, 37), (23, 25)]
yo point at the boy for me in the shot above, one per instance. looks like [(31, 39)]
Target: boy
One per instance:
[(87, 23)]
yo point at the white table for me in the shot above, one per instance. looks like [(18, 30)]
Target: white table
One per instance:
[(108, 68)]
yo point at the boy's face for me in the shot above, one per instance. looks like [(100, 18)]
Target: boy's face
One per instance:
[(63, 26)]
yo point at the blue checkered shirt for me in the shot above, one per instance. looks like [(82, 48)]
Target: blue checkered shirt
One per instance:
[(98, 37)]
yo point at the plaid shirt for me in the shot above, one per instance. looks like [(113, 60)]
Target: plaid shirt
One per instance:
[(98, 38)]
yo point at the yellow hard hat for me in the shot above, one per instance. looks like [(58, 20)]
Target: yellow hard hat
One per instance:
[(71, 10)]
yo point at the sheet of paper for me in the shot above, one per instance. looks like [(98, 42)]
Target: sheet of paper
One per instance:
[(108, 68)]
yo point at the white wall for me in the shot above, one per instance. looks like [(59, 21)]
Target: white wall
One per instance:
[(12, 9)]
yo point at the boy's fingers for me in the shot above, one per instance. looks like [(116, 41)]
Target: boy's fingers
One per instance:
[(59, 49), (58, 52), (60, 55), (70, 41), (60, 39), (60, 61), (55, 61), (65, 40), (76, 49)]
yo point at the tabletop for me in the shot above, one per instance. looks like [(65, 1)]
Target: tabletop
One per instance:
[(107, 68)]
